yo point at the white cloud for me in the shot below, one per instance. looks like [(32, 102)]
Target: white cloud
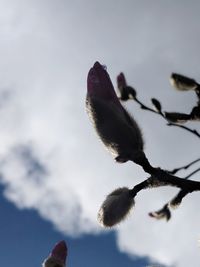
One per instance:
[(46, 50)]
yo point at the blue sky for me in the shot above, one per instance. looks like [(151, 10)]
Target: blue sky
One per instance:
[(26, 239), (54, 171)]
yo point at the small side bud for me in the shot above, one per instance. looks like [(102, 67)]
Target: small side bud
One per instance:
[(182, 83), (121, 81), (126, 92), (116, 207), (156, 104), (177, 117), (132, 92), (164, 213)]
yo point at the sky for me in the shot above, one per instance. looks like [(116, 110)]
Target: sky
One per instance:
[(54, 172)]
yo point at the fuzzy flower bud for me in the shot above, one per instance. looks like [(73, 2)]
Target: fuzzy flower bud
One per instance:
[(182, 83), (177, 117), (57, 256), (126, 92), (122, 87), (164, 213), (116, 207), (121, 81), (156, 104), (116, 128)]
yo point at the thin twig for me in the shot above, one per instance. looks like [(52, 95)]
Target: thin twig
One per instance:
[(193, 131), (192, 173), (146, 108), (185, 167), (137, 188), (163, 116)]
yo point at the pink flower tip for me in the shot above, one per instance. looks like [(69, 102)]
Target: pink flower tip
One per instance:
[(121, 81), (97, 65), (59, 252), (99, 84)]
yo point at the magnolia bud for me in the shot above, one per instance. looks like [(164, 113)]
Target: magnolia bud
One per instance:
[(156, 104), (57, 257), (164, 213), (116, 128), (115, 207), (182, 83), (177, 117), (126, 92)]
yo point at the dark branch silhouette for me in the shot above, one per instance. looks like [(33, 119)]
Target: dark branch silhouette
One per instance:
[(171, 118)]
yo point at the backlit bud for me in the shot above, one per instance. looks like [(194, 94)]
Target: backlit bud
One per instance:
[(126, 92), (57, 257), (164, 213), (177, 117), (116, 207), (116, 128), (182, 83)]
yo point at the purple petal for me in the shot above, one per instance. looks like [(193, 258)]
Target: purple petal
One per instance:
[(121, 81), (59, 252), (99, 84)]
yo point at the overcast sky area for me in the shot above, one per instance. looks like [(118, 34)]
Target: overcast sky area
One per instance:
[(51, 161)]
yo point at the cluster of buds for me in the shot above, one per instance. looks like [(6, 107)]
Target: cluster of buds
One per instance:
[(179, 82), (121, 135)]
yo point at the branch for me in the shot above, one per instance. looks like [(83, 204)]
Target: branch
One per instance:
[(164, 212), (185, 167), (164, 116), (137, 188), (193, 131), (157, 181), (173, 118), (160, 177), (192, 173)]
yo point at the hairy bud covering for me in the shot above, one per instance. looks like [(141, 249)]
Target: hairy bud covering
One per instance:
[(182, 83), (115, 207), (116, 128), (177, 117)]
